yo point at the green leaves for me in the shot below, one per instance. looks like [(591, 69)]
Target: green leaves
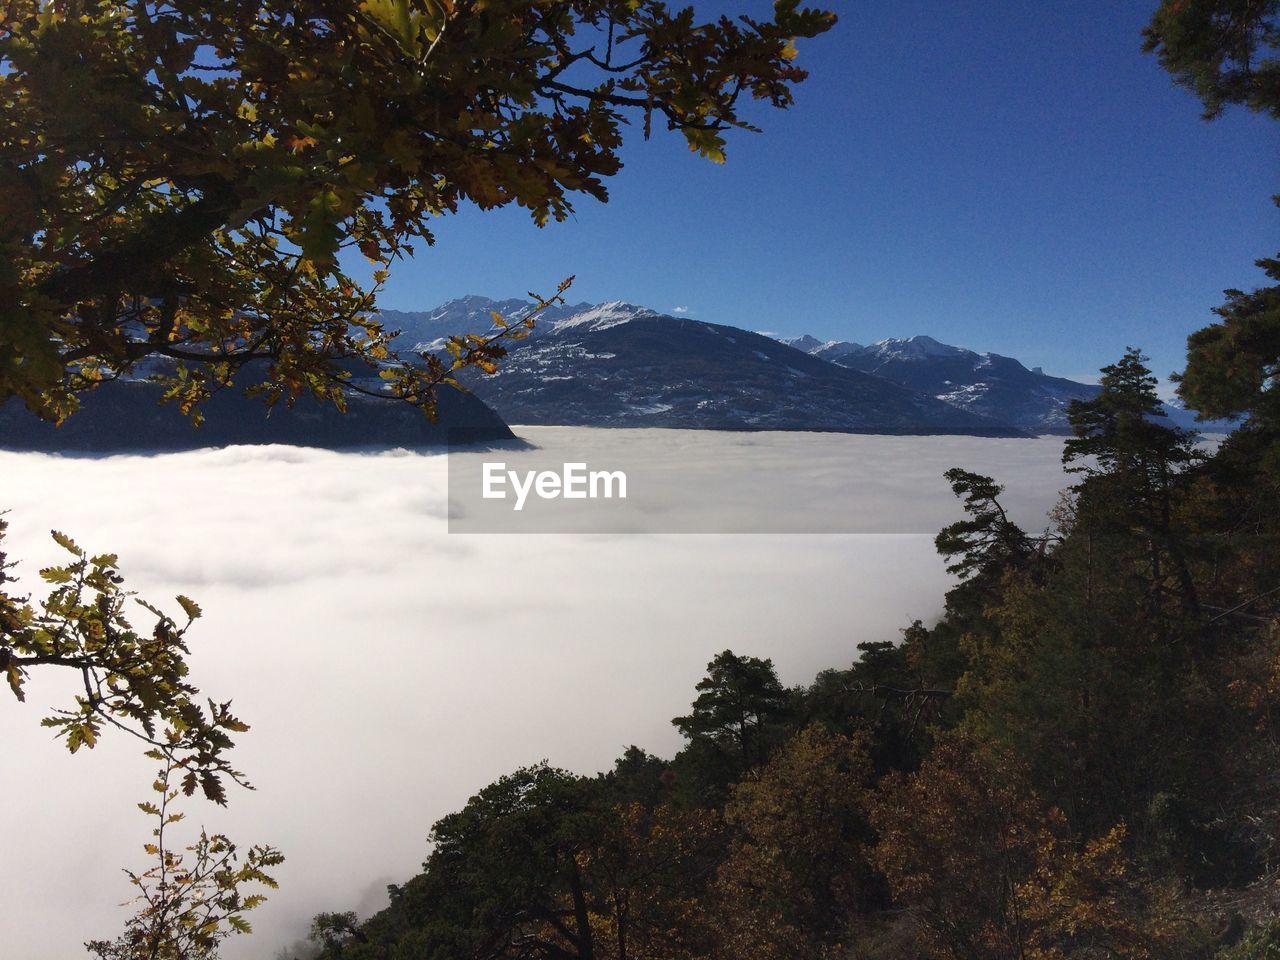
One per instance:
[(1221, 50), (410, 23), (130, 679), (191, 898), (320, 231)]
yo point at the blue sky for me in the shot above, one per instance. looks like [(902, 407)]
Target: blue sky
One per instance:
[(1002, 175)]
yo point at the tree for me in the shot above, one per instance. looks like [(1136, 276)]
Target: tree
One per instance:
[(894, 691), (506, 878), (797, 874), (1233, 366), (1120, 428), (993, 873), (988, 542), (735, 718), (180, 178), (137, 684), (1221, 50), (1224, 52), (1132, 462), (190, 901), (955, 840), (543, 865)]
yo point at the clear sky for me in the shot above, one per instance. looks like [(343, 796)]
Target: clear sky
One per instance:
[(1008, 176)]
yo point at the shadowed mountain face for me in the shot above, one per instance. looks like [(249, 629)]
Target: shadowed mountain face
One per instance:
[(128, 416), (616, 364), (983, 383)]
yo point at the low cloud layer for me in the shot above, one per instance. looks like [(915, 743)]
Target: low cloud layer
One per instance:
[(390, 669)]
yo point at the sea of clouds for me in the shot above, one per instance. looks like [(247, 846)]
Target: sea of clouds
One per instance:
[(389, 668)]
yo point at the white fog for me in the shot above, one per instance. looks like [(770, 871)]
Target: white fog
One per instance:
[(389, 669)]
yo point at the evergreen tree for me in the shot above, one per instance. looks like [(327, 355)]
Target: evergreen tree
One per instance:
[(735, 722), (1131, 462)]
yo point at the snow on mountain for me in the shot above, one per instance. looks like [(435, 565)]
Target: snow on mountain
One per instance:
[(806, 343), (832, 349), (620, 364), (913, 348), (988, 384), (601, 316), (425, 331)]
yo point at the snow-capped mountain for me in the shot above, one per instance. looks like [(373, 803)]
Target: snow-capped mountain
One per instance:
[(986, 383), (591, 319), (618, 364), (834, 349), (806, 343), (426, 330), (989, 384)]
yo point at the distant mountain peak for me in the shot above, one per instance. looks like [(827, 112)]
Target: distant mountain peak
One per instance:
[(803, 342), (836, 348), (916, 348), (601, 316)]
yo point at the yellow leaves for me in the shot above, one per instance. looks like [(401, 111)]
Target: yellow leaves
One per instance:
[(81, 735), (14, 676), (708, 144), (48, 17), (189, 607), (252, 146), (55, 575), (62, 540), (479, 178), (409, 23)]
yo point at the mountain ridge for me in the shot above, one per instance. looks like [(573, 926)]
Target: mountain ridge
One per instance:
[(552, 377), (621, 364)]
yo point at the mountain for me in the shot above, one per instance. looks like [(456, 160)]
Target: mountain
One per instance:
[(617, 364), (127, 415), (982, 383), (425, 330), (806, 343), (989, 384), (833, 349)]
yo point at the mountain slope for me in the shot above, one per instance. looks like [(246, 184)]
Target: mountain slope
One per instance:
[(617, 364), (982, 383), (127, 416), (425, 330)]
